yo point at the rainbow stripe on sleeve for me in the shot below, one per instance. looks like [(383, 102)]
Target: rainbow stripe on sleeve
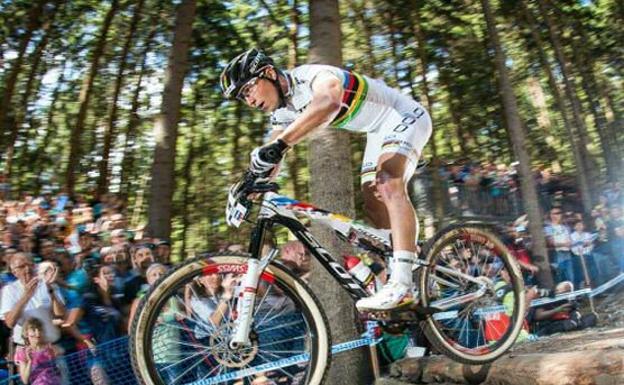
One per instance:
[(355, 90)]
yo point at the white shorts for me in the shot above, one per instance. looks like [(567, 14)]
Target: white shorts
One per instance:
[(405, 131)]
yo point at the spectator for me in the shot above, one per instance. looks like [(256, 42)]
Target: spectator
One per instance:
[(615, 229), (142, 258), (163, 252), (36, 359), (101, 307), (560, 316), (119, 256), (582, 248), (558, 238), (46, 250), (153, 274), (208, 298), (31, 296), (295, 252)]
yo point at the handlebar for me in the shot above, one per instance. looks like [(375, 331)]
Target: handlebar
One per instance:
[(254, 183)]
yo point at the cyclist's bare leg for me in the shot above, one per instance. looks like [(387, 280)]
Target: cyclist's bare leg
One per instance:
[(374, 208), (391, 187)]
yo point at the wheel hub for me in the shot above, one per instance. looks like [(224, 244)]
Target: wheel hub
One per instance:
[(227, 356)]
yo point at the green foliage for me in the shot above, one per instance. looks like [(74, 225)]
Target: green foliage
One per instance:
[(215, 136)]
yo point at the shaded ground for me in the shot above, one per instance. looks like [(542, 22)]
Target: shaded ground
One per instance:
[(593, 356)]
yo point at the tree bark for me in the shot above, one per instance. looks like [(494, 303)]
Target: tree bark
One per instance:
[(366, 28), (33, 23), (608, 141), (438, 188), (572, 130), (109, 134), (570, 90), (187, 175), (20, 114), (85, 97), (134, 120), (331, 187), (294, 157), (40, 154), (518, 139), (166, 125)]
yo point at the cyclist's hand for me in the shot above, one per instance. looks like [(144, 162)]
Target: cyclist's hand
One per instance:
[(265, 159)]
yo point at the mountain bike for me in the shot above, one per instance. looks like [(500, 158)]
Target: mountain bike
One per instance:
[(247, 318)]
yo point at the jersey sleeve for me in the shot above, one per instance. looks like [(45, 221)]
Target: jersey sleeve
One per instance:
[(281, 118)]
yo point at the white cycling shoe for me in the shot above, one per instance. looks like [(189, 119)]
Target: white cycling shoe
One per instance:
[(392, 296)]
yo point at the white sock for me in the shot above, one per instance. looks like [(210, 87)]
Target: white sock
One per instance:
[(401, 266)]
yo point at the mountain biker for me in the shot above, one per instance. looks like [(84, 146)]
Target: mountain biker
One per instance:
[(312, 97)]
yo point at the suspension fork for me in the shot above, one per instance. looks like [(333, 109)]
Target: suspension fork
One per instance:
[(249, 285)]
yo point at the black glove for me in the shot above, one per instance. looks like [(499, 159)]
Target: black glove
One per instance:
[(265, 158)]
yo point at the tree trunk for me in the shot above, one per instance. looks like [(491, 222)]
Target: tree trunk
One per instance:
[(166, 125), (438, 188), (40, 154), (392, 30), (293, 34), (608, 141), (367, 30), (20, 114), (187, 175), (109, 134), (294, 157), (85, 97), (575, 145), (570, 90), (331, 187), (518, 139), (6, 118), (134, 120)]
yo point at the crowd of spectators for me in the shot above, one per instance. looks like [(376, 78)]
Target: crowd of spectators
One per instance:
[(71, 270), (72, 275)]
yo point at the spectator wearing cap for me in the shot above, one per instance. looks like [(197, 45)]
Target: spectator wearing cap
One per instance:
[(31, 296), (558, 238), (89, 251), (163, 252)]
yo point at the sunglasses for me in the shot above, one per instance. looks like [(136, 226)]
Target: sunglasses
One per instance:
[(245, 90)]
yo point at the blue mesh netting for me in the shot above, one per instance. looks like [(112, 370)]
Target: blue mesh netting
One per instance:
[(110, 364)]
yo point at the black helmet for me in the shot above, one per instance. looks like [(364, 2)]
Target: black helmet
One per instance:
[(242, 69)]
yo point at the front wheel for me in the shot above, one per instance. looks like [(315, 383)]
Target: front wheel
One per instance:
[(477, 283), (181, 332)]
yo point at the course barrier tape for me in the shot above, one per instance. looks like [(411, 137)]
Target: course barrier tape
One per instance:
[(546, 300), (290, 361)]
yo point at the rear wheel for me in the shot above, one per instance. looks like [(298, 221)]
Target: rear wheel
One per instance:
[(480, 330), (181, 331)]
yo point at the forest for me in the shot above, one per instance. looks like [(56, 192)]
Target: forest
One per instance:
[(122, 96)]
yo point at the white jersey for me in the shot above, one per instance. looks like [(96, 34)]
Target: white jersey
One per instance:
[(366, 102), (394, 123)]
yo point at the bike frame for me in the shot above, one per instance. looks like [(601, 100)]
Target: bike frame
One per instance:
[(281, 210)]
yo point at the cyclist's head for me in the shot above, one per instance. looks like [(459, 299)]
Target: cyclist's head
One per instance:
[(247, 72)]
